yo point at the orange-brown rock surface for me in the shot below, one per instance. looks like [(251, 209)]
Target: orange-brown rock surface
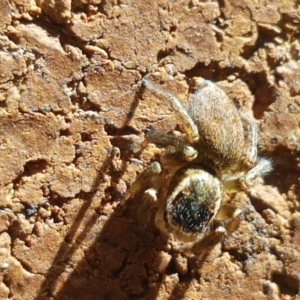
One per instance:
[(72, 115)]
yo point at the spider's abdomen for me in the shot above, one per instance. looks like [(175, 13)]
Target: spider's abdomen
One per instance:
[(220, 127)]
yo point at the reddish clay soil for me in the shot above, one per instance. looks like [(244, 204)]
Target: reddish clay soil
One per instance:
[(72, 116)]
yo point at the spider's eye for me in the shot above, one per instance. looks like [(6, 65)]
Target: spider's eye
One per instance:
[(194, 201)]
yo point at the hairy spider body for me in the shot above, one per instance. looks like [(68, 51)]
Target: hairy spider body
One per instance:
[(217, 154), (221, 135)]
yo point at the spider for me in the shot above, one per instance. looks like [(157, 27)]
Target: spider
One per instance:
[(217, 154)]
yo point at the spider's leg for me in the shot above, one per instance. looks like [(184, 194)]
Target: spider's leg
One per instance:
[(227, 220), (188, 123), (262, 166), (224, 224), (147, 207), (144, 180), (172, 145), (252, 130)]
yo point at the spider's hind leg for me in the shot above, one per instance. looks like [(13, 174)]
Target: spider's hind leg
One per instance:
[(190, 127), (252, 133), (261, 166)]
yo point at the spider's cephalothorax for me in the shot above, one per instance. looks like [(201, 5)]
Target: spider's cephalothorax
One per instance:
[(218, 153), (192, 203)]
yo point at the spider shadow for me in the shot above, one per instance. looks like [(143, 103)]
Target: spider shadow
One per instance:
[(116, 265)]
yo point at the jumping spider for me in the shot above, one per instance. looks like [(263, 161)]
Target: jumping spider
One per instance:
[(217, 154)]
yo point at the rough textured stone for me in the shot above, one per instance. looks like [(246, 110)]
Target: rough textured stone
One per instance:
[(72, 116)]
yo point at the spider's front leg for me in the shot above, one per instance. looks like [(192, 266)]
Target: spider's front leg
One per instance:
[(224, 224), (227, 220), (144, 180), (146, 186)]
